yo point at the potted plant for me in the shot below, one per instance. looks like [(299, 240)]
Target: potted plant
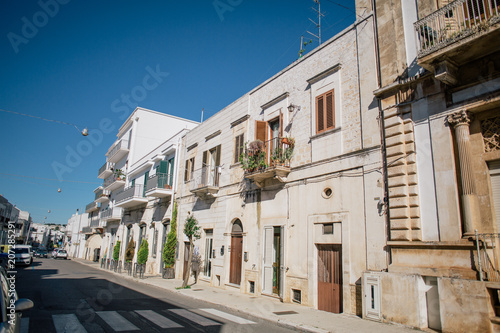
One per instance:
[(169, 248), (192, 232), (287, 155), (255, 147), (119, 174), (277, 156)]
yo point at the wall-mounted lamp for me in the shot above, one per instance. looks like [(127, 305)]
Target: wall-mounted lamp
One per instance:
[(293, 107)]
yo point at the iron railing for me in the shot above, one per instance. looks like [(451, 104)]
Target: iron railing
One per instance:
[(101, 193), (206, 176), (122, 144), (111, 213), (94, 221), (136, 191), (455, 21), (259, 156), (107, 166), (111, 179), (92, 206), (159, 180), (487, 245)]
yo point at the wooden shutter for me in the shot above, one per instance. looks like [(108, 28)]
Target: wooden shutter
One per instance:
[(163, 167), (236, 149), (186, 171), (281, 124), (204, 169), (217, 155), (320, 124), (330, 110), (325, 111), (261, 130), (192, 168)]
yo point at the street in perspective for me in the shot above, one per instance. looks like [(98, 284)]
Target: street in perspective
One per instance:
[(250, 166)]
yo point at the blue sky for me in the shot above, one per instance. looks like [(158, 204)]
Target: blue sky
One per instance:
[(77, 61)]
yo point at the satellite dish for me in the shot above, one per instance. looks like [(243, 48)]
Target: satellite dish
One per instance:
[(59, 190), (85, 132), (49, 211)]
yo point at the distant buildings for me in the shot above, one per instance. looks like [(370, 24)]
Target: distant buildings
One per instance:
[(20, 221)]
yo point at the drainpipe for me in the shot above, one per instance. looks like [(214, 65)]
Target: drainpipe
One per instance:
[(382, 132)]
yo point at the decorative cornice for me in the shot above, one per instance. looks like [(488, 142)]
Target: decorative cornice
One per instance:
[(213, 135)]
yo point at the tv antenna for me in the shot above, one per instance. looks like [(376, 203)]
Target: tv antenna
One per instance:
[(318, 24)]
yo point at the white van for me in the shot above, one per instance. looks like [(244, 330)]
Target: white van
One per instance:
[(23, 254)]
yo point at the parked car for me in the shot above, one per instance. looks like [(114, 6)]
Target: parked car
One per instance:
[(22, 254), (40, 253), (11, 322), (61, 254), (54, 252)]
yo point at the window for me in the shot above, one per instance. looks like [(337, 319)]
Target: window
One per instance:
[(210, 169), (328, 229), (155, 243), (239, 146), (325, 111), (189, 171)]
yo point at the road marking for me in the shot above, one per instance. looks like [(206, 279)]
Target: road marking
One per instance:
[(66, 323), (158, 319), (117, 322), (25, 325), (229, 317), (200, 320)]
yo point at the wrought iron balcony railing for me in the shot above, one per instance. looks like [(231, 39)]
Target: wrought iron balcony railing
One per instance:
[(455, 21), (259, 156), (133, 192), (159, 180)]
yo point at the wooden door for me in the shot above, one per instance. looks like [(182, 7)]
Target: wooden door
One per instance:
[(236, 251), (330, 278)]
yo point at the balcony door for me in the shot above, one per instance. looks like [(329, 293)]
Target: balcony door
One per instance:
[(269, 132), (211, 162)]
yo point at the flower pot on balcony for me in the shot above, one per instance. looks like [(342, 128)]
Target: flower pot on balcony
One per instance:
[(168, 187)]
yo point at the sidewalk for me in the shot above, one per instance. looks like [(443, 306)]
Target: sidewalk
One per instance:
[(293, 316)]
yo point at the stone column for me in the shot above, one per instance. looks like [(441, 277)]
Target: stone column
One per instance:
[(460, 122)]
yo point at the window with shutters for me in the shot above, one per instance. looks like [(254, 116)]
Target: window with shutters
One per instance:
[(189, 169), (239, 146), (210, 168), (325, 111)]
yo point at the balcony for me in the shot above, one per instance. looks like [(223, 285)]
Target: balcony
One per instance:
[(113, 182), (462, 31), (101, 195), (86, 230), (111, 214), (205, 182), (106, 170), (118, 151), (91, 207), (94, 221), (270, 160), (159, 186), (131, 196)]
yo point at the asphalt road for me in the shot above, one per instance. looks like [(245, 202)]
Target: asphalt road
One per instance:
[(71, 297)]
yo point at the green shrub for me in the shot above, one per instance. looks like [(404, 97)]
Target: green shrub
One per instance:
[(143, 253), (171, 243), (116, 251)]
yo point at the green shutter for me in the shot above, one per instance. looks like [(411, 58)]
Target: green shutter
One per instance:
[(163, 167)]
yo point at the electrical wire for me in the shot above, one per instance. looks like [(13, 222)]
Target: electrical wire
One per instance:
[(51, 179), (41, 118)]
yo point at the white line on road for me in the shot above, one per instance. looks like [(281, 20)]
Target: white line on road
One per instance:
[(66, 323), (158, 319), (229, 317), (117, 322), (25, 325), (200, 320)]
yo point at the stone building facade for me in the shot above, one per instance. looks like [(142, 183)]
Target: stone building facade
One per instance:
[(439, 98), (305, 228)]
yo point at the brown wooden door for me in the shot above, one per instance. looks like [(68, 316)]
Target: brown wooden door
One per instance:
[(236, 251), (330, 278)]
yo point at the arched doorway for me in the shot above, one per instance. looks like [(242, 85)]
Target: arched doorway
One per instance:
[(236, 253)]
